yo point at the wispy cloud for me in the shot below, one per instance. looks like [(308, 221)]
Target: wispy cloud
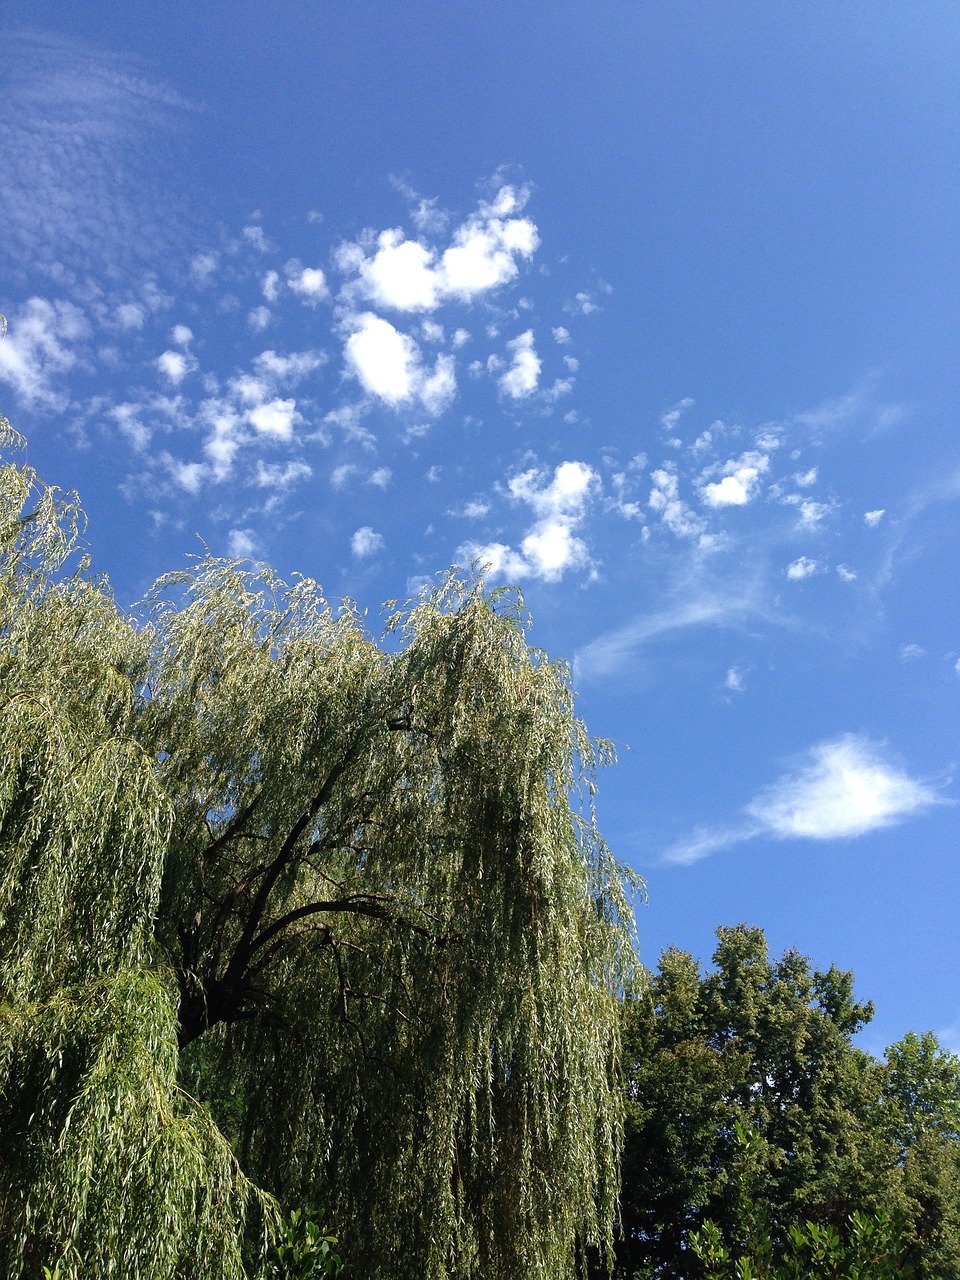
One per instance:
[(844, 788), (699, 604), (74, 118)]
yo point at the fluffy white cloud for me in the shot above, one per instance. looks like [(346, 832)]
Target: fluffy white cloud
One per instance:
[(275, 418), (739, 483), (845, 788), (241, 543), (308, 282), (521, 378), (802, 568), (39, 345), (384, 360), (873, 518), (812, 513), (551, 546), (365, 542), (409, 275), (387, 364), (175, 365), (182, 335), (401, 274)]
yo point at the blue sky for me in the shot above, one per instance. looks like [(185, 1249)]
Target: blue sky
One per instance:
[(653, 306)]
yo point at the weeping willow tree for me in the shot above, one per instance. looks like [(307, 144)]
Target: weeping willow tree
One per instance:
[(287, 913), (107, 1167)]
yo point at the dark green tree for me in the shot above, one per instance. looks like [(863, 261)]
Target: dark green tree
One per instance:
[(287, 913), (755, 1045), (921, 1120)]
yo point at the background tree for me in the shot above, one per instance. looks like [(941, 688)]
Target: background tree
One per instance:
[(921, 1120), (351, 898), (758, 1046)]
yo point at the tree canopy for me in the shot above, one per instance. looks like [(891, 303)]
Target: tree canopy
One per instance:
[(750, 1108), (285, 912)]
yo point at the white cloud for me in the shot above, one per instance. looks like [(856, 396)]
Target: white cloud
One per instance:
[(438, 389), (582, 305), (873, 518), (561, 335), (270, 286), (281, 477), (175, 365), (40, 344), (665, 500), (381, 477), (551, 546), (258, 318), (202, 267), (387, 364), (254, 235), (182, 335), (911, 652), (289, 368), (365, 542), (410, 275), (802, 568), (188, 475), (739, 484), (401, 274), (384, 360), (276, 418), (671, 417), (129, 420), (845, 788), (130, 316), (735, 681), (521, 378), (241, 543), (460, 338), (846, 573), (812, 513), (308, 282), (486, 247), (806, 478), (340, 475)]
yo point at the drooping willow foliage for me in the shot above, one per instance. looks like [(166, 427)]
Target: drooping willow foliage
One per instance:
[(106, 1167), (351, 898)]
